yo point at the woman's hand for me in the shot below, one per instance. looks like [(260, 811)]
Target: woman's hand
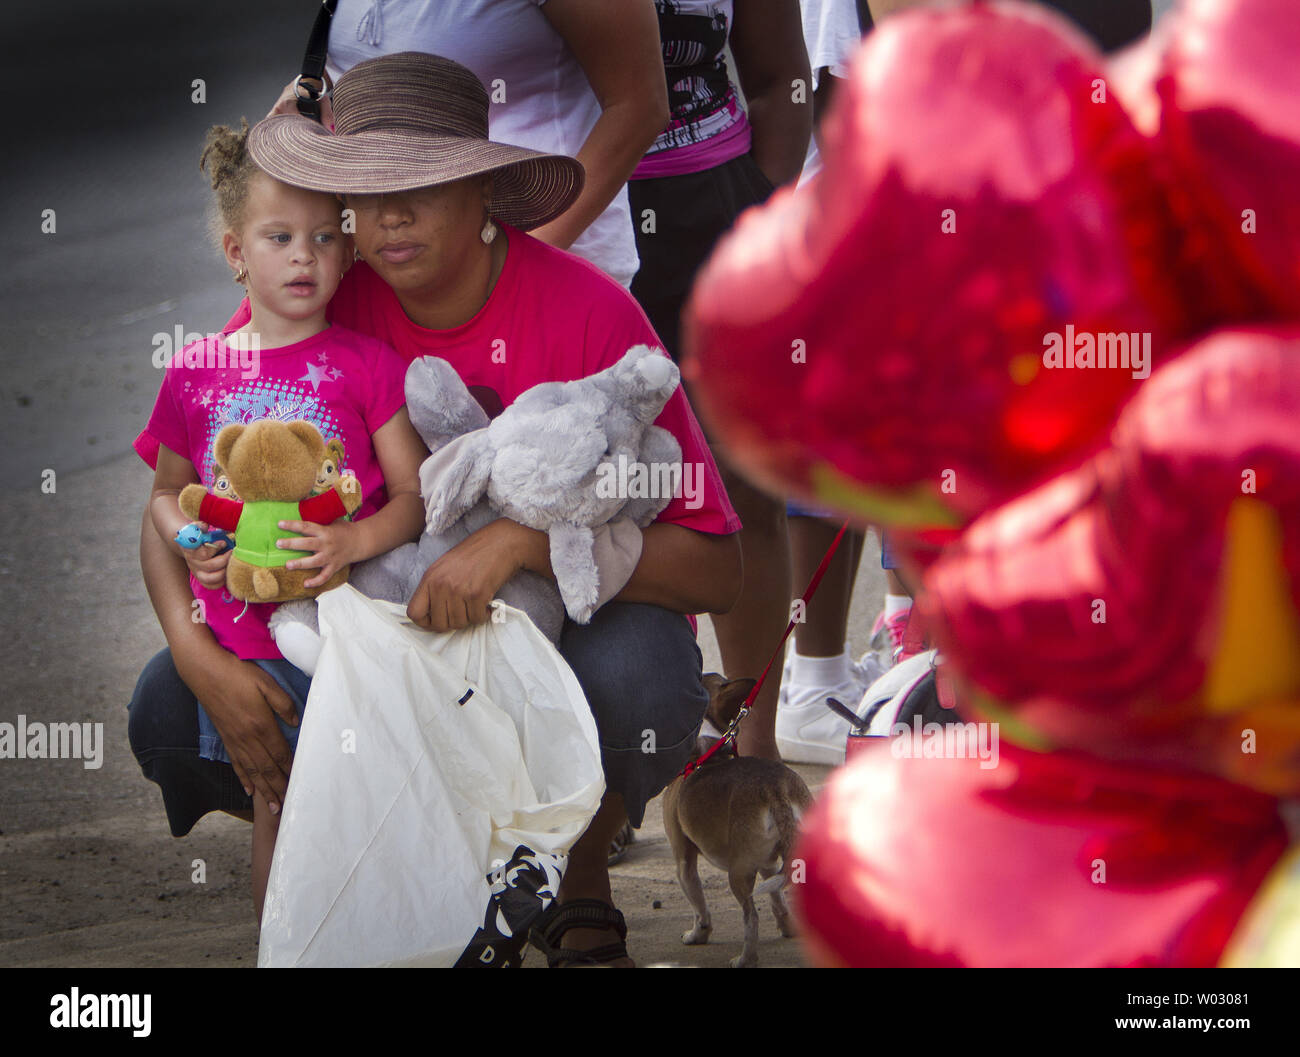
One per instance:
[(333, 546), (456, 589), (242, 701), (288, 104)]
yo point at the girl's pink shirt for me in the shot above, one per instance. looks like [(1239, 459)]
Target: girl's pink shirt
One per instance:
[(345, 384)]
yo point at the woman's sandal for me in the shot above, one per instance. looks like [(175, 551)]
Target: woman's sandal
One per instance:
[(550, 928)]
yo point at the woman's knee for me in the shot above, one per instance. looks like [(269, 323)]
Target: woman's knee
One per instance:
[(163, 712), (640, 668)]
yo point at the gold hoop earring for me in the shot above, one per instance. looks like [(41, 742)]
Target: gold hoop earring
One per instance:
[(242, 274)]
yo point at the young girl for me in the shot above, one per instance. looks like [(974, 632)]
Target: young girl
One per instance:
[(286, 246)]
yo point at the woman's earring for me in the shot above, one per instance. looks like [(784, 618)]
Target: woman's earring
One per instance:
[(356, 254), (242, 274), (488, 233)]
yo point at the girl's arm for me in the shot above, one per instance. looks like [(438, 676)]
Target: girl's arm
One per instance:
[(616, 42), (767, 43), (399, 451)]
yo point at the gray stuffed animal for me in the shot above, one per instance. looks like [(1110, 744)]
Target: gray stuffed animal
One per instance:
[(565, 458)]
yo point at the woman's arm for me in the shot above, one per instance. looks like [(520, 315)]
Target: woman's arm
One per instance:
[(680, 569), (685, 571), (237, 695), (617, 44), (767, 43)]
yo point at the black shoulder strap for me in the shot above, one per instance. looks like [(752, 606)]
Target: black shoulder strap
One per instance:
[(865, 24), (311, 83)]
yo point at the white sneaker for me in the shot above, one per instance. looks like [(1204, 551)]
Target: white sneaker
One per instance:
[(808, 731), (866, 670)]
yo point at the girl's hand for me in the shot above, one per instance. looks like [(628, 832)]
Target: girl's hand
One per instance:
[(456, 589), (333, 547), (207, 563)]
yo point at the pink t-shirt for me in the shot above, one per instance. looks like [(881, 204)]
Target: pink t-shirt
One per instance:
[(345, 384), (552, 317)]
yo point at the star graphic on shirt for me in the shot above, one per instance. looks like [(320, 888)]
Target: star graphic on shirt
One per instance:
[(315, 374), (335, 373), (207, 399), (325, 357)]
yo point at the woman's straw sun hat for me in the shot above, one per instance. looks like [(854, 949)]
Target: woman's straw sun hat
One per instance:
[(412, 120)]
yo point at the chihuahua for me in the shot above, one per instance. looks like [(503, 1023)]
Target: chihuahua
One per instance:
[(743, 814)]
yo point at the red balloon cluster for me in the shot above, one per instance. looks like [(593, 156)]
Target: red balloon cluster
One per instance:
[(1052, 304), (877, 341)]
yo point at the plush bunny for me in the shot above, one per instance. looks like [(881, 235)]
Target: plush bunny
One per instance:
[(565, 458)]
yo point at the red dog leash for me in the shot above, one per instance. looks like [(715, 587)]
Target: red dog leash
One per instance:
[(729, 735)]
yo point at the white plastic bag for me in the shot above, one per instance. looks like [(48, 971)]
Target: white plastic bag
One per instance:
[(424, 763)]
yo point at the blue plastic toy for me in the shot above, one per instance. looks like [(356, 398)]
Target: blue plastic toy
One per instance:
[(191, 537)]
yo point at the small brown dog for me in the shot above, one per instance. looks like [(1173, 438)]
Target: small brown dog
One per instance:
[(743, 814)]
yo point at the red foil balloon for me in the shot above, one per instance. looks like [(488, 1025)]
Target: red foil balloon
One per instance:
[(876, 341), (1037, 861), (1230, 121), (1144, 607)]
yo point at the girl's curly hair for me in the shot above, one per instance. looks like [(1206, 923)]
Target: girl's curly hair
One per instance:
[(226, 159)]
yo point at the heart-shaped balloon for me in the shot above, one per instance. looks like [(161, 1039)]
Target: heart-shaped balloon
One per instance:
[(1146, 606), (1038, 860), (1210, 89), (1230, 121), (915, 336)]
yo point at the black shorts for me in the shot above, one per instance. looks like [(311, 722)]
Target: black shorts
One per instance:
[(690, 213)]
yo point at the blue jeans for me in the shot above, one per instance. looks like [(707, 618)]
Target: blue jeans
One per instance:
[(639, 666)]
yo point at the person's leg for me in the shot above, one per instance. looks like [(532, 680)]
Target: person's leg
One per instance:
[(892, 623), (825, 628), (749, 633), (266, 826), (640, 668), (691, 212), (819, 665), (163, 728)]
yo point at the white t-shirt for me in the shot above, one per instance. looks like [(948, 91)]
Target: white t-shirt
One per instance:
[(830, 32), (539, 95)]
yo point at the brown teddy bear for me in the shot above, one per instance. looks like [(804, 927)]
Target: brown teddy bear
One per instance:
[(273, 466)]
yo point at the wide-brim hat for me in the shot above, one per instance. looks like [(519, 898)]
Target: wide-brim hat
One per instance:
[(412, 120)]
